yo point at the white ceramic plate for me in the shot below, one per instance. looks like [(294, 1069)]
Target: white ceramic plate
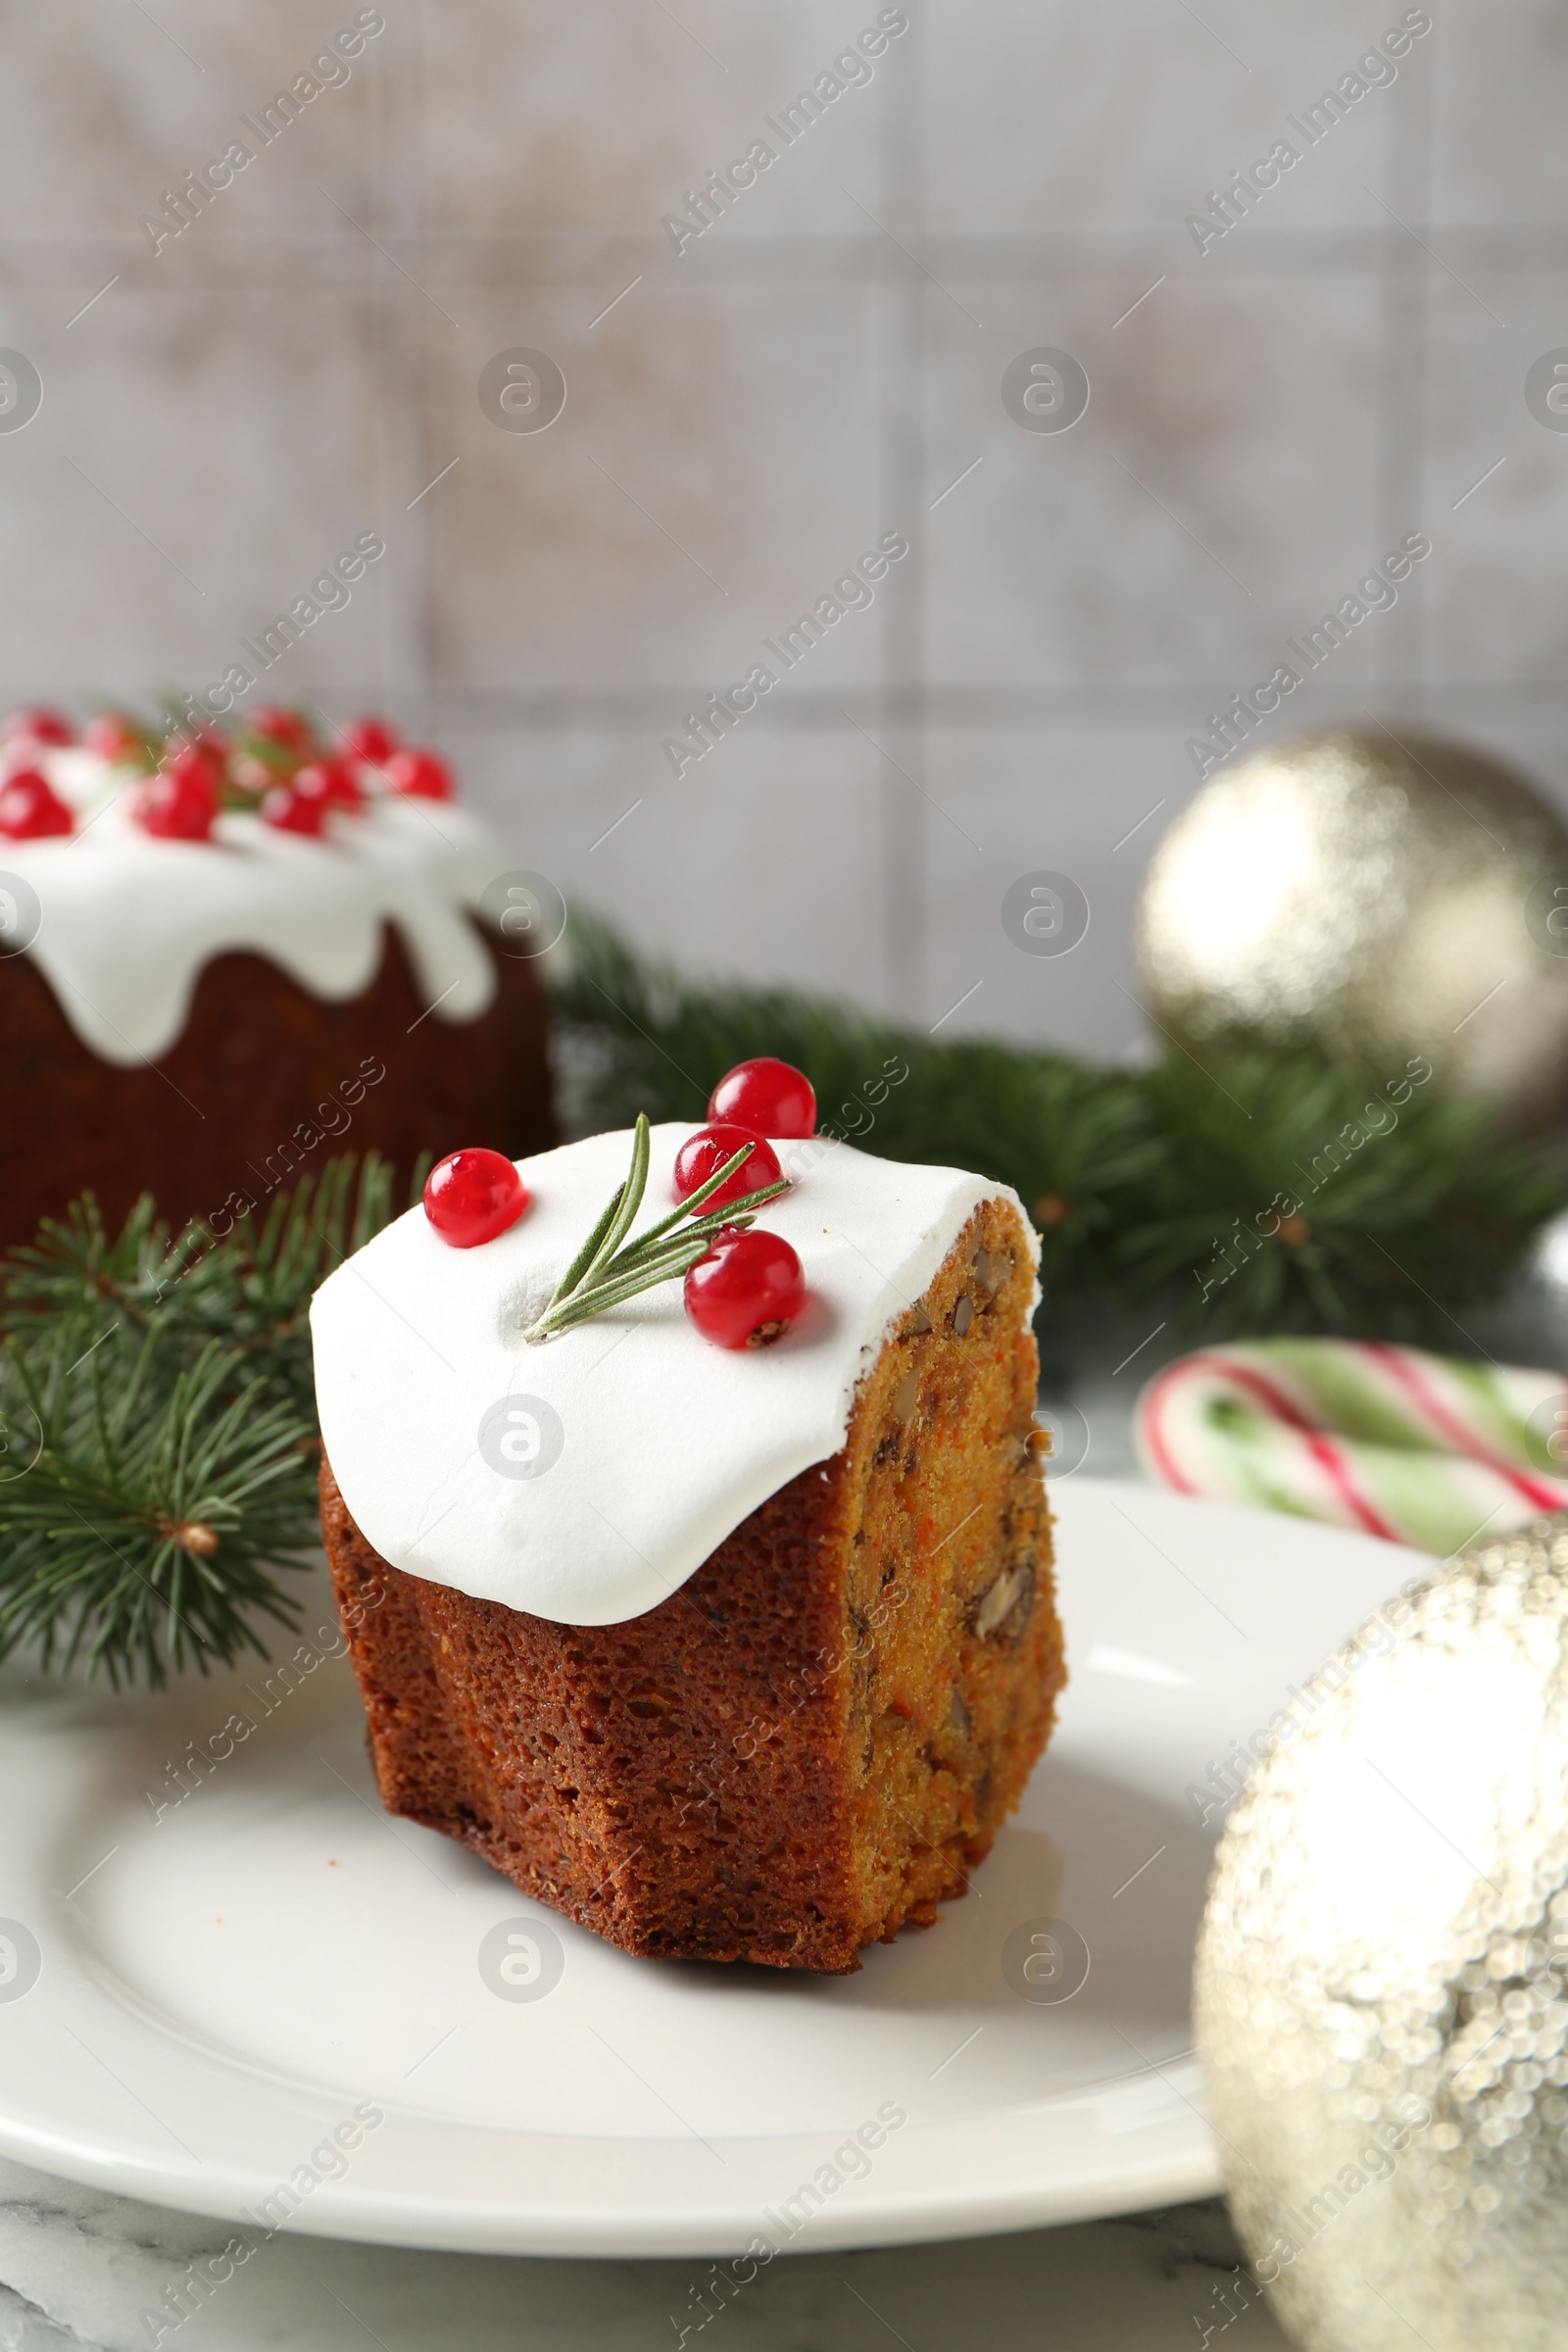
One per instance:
[(216, 1986)]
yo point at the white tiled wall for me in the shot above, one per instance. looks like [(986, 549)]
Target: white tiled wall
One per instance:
[(822, 367)]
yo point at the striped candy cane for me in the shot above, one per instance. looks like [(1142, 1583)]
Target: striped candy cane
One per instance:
[(1430, 1450)]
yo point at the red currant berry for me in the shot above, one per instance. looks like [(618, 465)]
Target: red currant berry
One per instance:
[(771, 1097), (368, 739), (181, 802), (331, 781), (29, 807), (422, 775), (471, 1197), (115, 738), (291, 729), (294, 811), (748, 1290), (704, 1154), (205, 757), (35, 724)]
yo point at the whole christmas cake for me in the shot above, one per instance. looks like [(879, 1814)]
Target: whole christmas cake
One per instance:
[(719, 1617), (223, 957)]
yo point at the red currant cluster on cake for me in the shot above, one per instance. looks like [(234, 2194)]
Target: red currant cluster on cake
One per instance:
[(749, 1286), (278, 764), (746, 1287)]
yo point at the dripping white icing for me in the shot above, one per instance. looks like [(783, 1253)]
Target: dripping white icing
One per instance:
[(667, 1443), (128, 921)]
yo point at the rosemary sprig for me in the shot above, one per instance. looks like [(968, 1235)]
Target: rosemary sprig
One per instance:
[(604, 1273)]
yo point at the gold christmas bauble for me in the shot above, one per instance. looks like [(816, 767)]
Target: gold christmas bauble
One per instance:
[(1376, 899), (1381, 1994)]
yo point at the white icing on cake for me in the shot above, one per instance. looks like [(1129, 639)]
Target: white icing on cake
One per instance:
[(129, 920), (666, 1442)]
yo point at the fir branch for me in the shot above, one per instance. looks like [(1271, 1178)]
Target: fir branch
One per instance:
[(1288, 1201), (157, 1438), (1073, 1141), (158, 1507), (1168, 1185), (252, 1287)]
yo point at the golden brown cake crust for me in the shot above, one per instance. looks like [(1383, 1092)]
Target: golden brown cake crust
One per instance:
[(818, 1736)]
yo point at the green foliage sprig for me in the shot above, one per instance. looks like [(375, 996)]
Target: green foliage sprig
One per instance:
[(157, 1438), (1245, 1193)]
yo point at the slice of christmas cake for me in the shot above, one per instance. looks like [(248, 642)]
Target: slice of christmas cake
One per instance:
[(733, 1652)]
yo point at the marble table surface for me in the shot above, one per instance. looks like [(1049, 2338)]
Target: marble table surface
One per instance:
[(81, 2268)]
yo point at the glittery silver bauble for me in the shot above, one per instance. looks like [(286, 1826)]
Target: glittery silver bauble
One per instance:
[(1377, 900), (1380, 1994)]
